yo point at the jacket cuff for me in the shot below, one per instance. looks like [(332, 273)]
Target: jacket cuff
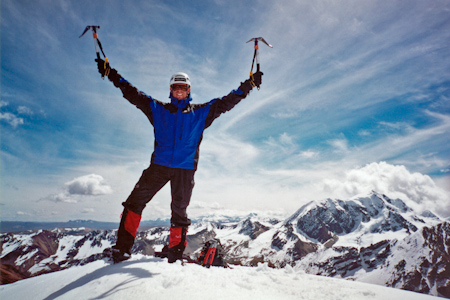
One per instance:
[(246, 87), (114, 77)]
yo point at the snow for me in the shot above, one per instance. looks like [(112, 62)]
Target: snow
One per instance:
[(363, 238), (87, 249), (21, 259), (19, 240), (146, 277), (65, 245)]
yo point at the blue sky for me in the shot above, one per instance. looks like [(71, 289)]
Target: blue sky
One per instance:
[(355, 97)]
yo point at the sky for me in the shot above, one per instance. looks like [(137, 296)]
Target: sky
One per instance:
[(355, 97)]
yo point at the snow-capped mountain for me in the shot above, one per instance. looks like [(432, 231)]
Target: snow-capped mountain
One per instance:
[(371, 239)]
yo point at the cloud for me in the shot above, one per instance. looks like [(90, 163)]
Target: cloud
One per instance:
[(427, 140), (283, 144), (23, 110), (340, 145), (88, 210), (21, 213), (14, 119), (61, 197), (308, 154), (11, 119), (418, 189), (363, 133), (206, 205), (88, 185), (226, 152)]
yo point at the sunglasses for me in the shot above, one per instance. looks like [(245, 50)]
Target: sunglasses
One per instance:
[(182, 87)]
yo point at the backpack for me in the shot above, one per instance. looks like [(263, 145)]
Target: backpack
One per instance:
[(212, 254)]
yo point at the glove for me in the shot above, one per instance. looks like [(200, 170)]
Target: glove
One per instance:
[(101, 66), (112, 74), (257, 78)]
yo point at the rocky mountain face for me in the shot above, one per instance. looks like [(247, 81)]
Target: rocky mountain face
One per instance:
[(370, 239)]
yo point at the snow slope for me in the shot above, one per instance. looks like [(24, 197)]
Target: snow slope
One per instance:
[(146, 277)]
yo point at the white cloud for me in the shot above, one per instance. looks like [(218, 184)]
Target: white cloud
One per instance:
[(283, 144), (308, 154), (61, 197), (397, 126), (23, 110), (418, 189), (88, 185), (21, 213), (226, 152), (364, 133), (206, 205), (11, 119), (340, 145), (284, 114), (286, 139)]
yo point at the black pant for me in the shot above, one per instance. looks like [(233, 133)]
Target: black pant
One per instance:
[(152, 180)]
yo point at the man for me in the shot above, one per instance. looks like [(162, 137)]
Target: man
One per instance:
[(178, 130)]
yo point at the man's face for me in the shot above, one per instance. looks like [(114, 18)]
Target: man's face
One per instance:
[(180, 91)]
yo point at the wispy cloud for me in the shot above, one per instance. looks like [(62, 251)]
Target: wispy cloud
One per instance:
[(12, 119)]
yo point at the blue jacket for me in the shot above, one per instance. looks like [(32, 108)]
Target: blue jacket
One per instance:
[(179, 125)]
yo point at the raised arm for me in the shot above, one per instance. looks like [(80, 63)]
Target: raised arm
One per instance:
[(226, 103), (131, 93)]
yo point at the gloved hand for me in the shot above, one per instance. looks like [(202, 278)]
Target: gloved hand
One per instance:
[(257, 78), (101, 66), (249, 84), (112, 74)]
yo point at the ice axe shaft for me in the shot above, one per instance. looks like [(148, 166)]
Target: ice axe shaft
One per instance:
[(95, 36), (97, 45), (256, 54)]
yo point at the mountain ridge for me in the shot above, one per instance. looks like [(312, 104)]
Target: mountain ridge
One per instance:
[(364, 238)]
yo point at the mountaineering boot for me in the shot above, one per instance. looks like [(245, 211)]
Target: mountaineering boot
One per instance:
[(177, 243), (116, 254), (125, 236)]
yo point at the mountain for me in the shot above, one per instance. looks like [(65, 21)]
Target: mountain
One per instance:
[(371, 239), (380, 241)]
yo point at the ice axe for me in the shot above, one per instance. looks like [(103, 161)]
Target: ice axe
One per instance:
[(256, 55), (97, 46)]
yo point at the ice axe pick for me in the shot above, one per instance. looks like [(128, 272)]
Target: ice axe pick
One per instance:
[(256, 54)]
